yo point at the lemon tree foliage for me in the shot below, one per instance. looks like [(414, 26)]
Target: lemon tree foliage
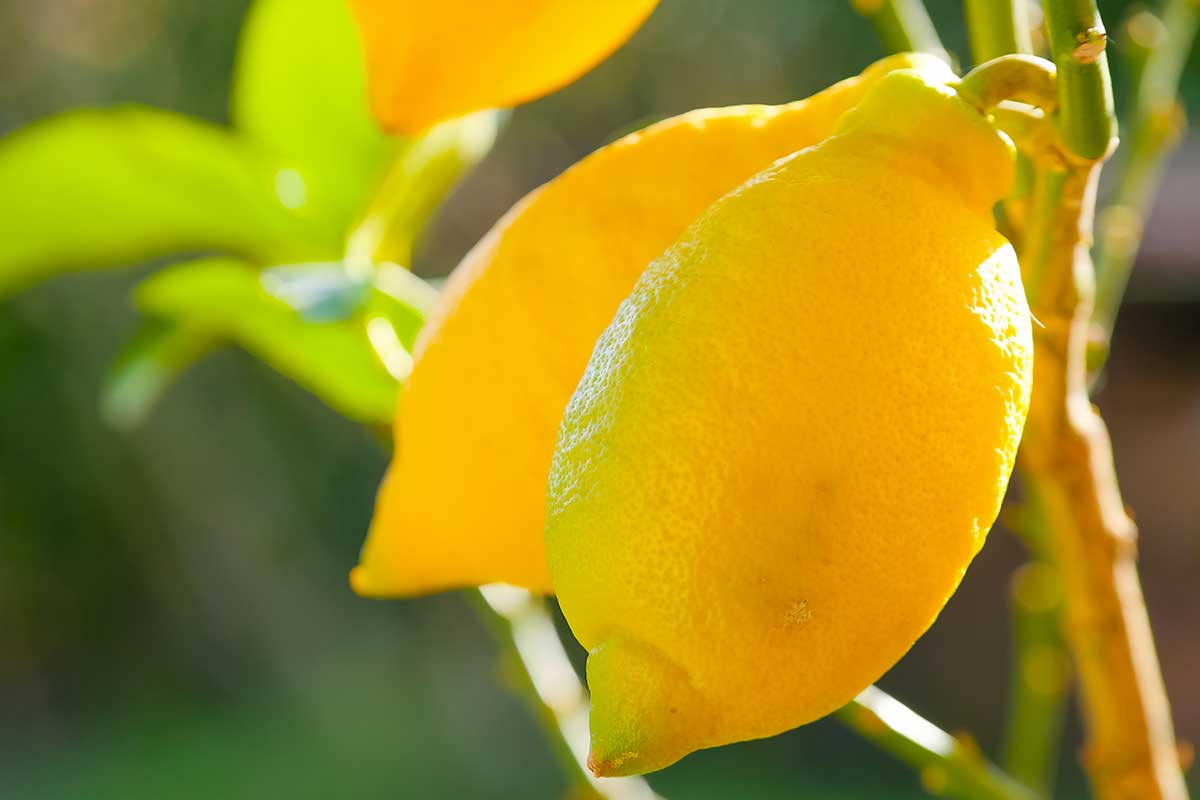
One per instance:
[(288, 185), (300, 319), (158, 353), (298, 91), (101, 188)]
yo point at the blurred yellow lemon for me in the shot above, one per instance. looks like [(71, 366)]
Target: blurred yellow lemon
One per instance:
[(794, 436), (463, 503), (428, 61)]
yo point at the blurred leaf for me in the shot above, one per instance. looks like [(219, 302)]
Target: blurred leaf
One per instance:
[(334, 360), (150, 362), (100, 188), (392, 301), (417, 183), (300, 90)]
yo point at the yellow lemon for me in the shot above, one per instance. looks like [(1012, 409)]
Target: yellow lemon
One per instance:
[(794, 436), (428, 61), (464, 500)]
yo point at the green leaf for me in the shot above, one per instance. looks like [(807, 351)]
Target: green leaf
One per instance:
[(300, 90), (100, 188), (333, 359), (148, 364)]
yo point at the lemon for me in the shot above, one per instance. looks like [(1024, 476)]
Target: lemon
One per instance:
[(428, 61), (792, 439), (463, 502)]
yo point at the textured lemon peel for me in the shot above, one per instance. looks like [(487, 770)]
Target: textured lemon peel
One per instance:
[(429, 62), (463, 503), (677, 509), (664, 688)]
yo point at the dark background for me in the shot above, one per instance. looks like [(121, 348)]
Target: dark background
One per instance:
[(174, 614)]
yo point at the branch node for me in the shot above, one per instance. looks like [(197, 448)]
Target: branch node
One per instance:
[(1090, 45)]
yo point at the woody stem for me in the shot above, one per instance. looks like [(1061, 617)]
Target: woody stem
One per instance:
[(1066, 463)]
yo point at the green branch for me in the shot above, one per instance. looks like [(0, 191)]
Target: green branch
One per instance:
[(1087, 121), (948, 765), (1037, 251), (1041, 668), (903, 26), (1156, 126), (997, 28)]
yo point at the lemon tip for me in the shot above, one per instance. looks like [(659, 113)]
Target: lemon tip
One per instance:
[(610, 766), (360, 581)]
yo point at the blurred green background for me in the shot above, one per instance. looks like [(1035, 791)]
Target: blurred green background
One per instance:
[(174, 614)]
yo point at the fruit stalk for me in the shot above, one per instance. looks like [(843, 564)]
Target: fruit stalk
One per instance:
[(997, 28), (1023, 78), (948, 765), (1066, 461), (1156, 128), (903, 26), (547, 678)]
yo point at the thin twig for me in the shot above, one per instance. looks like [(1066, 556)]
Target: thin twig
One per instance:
[(1040, 675), (903, 26), (415, 184), (1087, 120), (553, 687), (948, 765), (1157, 122), (997, 28)]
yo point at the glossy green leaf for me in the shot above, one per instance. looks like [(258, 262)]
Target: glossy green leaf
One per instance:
[(300, 90), (335, 359), (101, 188), (148, 364)]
